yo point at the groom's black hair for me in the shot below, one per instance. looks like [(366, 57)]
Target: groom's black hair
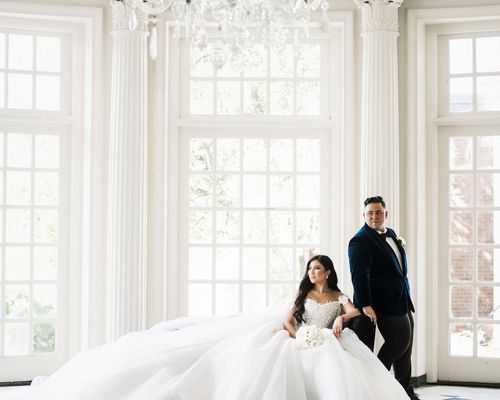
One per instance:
[(375, 199)]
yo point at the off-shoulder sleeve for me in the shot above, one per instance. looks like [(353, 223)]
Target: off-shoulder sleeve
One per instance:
[(343, 299)]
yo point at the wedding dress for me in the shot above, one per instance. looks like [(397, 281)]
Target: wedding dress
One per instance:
[(248, 357)]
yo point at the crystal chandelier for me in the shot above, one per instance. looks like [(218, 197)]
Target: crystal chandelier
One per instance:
[(225, 31)]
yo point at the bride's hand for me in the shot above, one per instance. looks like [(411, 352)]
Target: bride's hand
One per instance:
[(337, 327)]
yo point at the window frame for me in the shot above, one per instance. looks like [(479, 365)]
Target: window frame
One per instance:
[(82, 121)]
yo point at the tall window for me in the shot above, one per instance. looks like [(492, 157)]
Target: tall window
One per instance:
[(253, 203), (474, 245), (473, 73), (37, 111), (469, 213)]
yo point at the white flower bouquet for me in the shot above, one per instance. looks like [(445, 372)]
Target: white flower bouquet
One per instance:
[(309, 336)]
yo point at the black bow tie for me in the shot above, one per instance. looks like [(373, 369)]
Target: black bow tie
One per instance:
[(385, 235)]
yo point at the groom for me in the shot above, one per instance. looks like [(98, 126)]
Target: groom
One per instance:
[(381, 291)]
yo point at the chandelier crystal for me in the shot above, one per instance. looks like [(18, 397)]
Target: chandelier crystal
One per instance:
[(225, 31)]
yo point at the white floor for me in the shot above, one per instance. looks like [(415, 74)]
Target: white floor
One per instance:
[(425, 393)]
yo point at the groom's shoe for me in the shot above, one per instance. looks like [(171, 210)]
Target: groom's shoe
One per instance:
[(414, 397)]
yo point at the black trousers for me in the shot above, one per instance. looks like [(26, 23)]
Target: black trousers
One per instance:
[(397, 332)]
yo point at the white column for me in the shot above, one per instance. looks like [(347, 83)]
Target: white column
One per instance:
[(379, 104), (127, 185)]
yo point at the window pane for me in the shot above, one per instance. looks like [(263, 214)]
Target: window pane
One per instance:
[(488, 301), (200, 191), (200, 299), (281, 95), (488, 54), (282, 62), (254, 191), (17, 263), (201, 154), (228, 226), (227, 190), (279, 293), (200, 227), (44, 337), (48, 54), (202, 97), (308, 98), (228, 98), (200, 263), (281, 227), (20, 52), (255, 98), (488, 265), (488, 93), (460, 153), (18, 188), (227, 263), (227, 299), (461, 194), (488, 190), (20, 91), (228, 154), (488, 340), (461, 336), (46, 151), (254, 297), (254, 227), (254, 155), (200, 66), (45, 263), (281, 191), (308, 227), (281, 154), (45, 224), (308, 191), (460, 227), (17, 226), (461, 301), (257, 65), (46, 188), (48, 93), (44, 301), (461, 263), (281, 264), (488, 227), (254, 263), (460, 94), (309, 61), (308, 155), (16, 341), (16, 302), (460, 56), (488, 152)]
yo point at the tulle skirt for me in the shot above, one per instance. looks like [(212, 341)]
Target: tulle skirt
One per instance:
[(236, 358)]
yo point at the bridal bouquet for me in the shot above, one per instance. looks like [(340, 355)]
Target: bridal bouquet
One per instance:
[(309, 336)]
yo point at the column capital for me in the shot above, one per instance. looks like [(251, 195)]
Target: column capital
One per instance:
[(379, 15), (124, 17)]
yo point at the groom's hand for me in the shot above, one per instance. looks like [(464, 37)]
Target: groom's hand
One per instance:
[(370, 313)]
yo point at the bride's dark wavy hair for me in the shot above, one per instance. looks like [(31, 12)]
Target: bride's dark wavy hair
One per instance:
[(306, 285)]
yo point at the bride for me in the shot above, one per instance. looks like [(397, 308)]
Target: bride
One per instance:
[(248, 357)]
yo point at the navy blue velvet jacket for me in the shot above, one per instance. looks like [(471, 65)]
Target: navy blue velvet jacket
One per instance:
[(376, 275)]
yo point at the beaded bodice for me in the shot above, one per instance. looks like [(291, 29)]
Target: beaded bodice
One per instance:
[(322, 314)]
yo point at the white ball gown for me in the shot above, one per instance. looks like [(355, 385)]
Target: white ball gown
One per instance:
[(248, 357)]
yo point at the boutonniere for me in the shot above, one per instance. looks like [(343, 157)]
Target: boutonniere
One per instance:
[(401, 241)]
